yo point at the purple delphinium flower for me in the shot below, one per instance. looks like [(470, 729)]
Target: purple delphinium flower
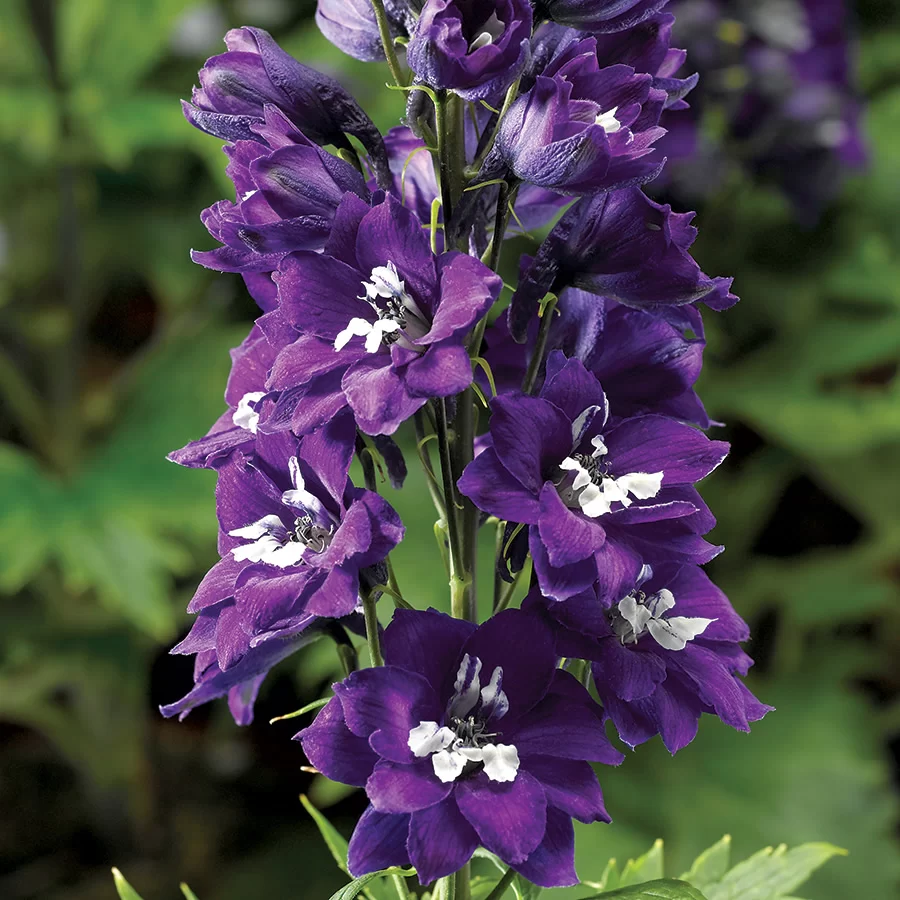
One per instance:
[(476, 48), (662, 654), (298, 543), (287, 192), (624, 246), (382, 321), (236, 86), (468, 735), (351, 25), (600, 498), (581, 129), (245, 391), (598, 15), (645, 364)]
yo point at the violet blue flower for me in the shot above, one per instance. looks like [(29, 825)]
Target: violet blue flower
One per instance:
[(476, 48), (236, 428), (298, 543), (382, 321), (235, 87), (623, 246), (581, 129), (288, 190), (600, 498), (467, 736), (351, 26), (645, 364), (598, 15), (662, 654)]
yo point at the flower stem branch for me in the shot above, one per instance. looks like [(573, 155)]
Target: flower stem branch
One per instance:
[(540, 348), (384, 29), (372, 637), (502, 885), (462, 880), (465, 453)]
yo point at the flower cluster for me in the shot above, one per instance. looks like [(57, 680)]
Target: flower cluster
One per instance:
[(777, 74), (375, 267)]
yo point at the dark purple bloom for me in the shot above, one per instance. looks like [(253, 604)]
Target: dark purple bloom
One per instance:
[(298, 543), (351, 26), (236, 428), (382, 321), (647, 47), (581, 129), (645, 364), (623, 246), (662, 654), (288, 191), (476, 48), (236, 86), (467, 736), (599, 15), (600, 498)]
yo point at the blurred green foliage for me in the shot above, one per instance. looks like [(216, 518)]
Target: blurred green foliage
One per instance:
[(113, 352)]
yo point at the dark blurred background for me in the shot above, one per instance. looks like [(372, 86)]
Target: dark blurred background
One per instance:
[(113, 351)]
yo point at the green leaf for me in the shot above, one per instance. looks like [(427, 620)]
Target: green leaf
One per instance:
[(648, 867), (711, 865), (355, 888), (660, 889), (316, 704), (772, 873), (126, 891), (334, 840)]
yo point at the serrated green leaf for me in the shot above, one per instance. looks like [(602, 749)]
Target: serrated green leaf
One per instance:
[(711, 865), (772, 873), (126, 891), (648, 867), (660, 889), (355, 888)]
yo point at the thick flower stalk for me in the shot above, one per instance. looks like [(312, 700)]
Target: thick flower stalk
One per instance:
[(564, 428)]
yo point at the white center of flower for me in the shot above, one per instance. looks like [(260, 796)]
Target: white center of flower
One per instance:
[(273, 543), (594, 489), (639, 614), (608, 121), (491, 30), (246, 416), (465, 742), (398, 313)]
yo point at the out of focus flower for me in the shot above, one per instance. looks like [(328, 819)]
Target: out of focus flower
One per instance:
[(462, 739), (623, 246), (351, 25), (598, 16)]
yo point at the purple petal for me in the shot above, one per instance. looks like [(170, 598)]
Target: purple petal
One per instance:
[(429, 643), (441, 841), (510, 818), (630, 672), (571, 387), (441, 371), (568, 536), (397, 788), (490, 486), (552, 864), (378, 842), (564, 582), (468, 290), (378, 396), (570, 785), (334, 750)]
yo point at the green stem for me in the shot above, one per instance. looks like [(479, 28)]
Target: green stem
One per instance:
[(387, 42), (465, 452), (400, 886), (540, 348), (425, 459), (502, 885), (372, 637), (511, 95), (448, 116), (463, 880)]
